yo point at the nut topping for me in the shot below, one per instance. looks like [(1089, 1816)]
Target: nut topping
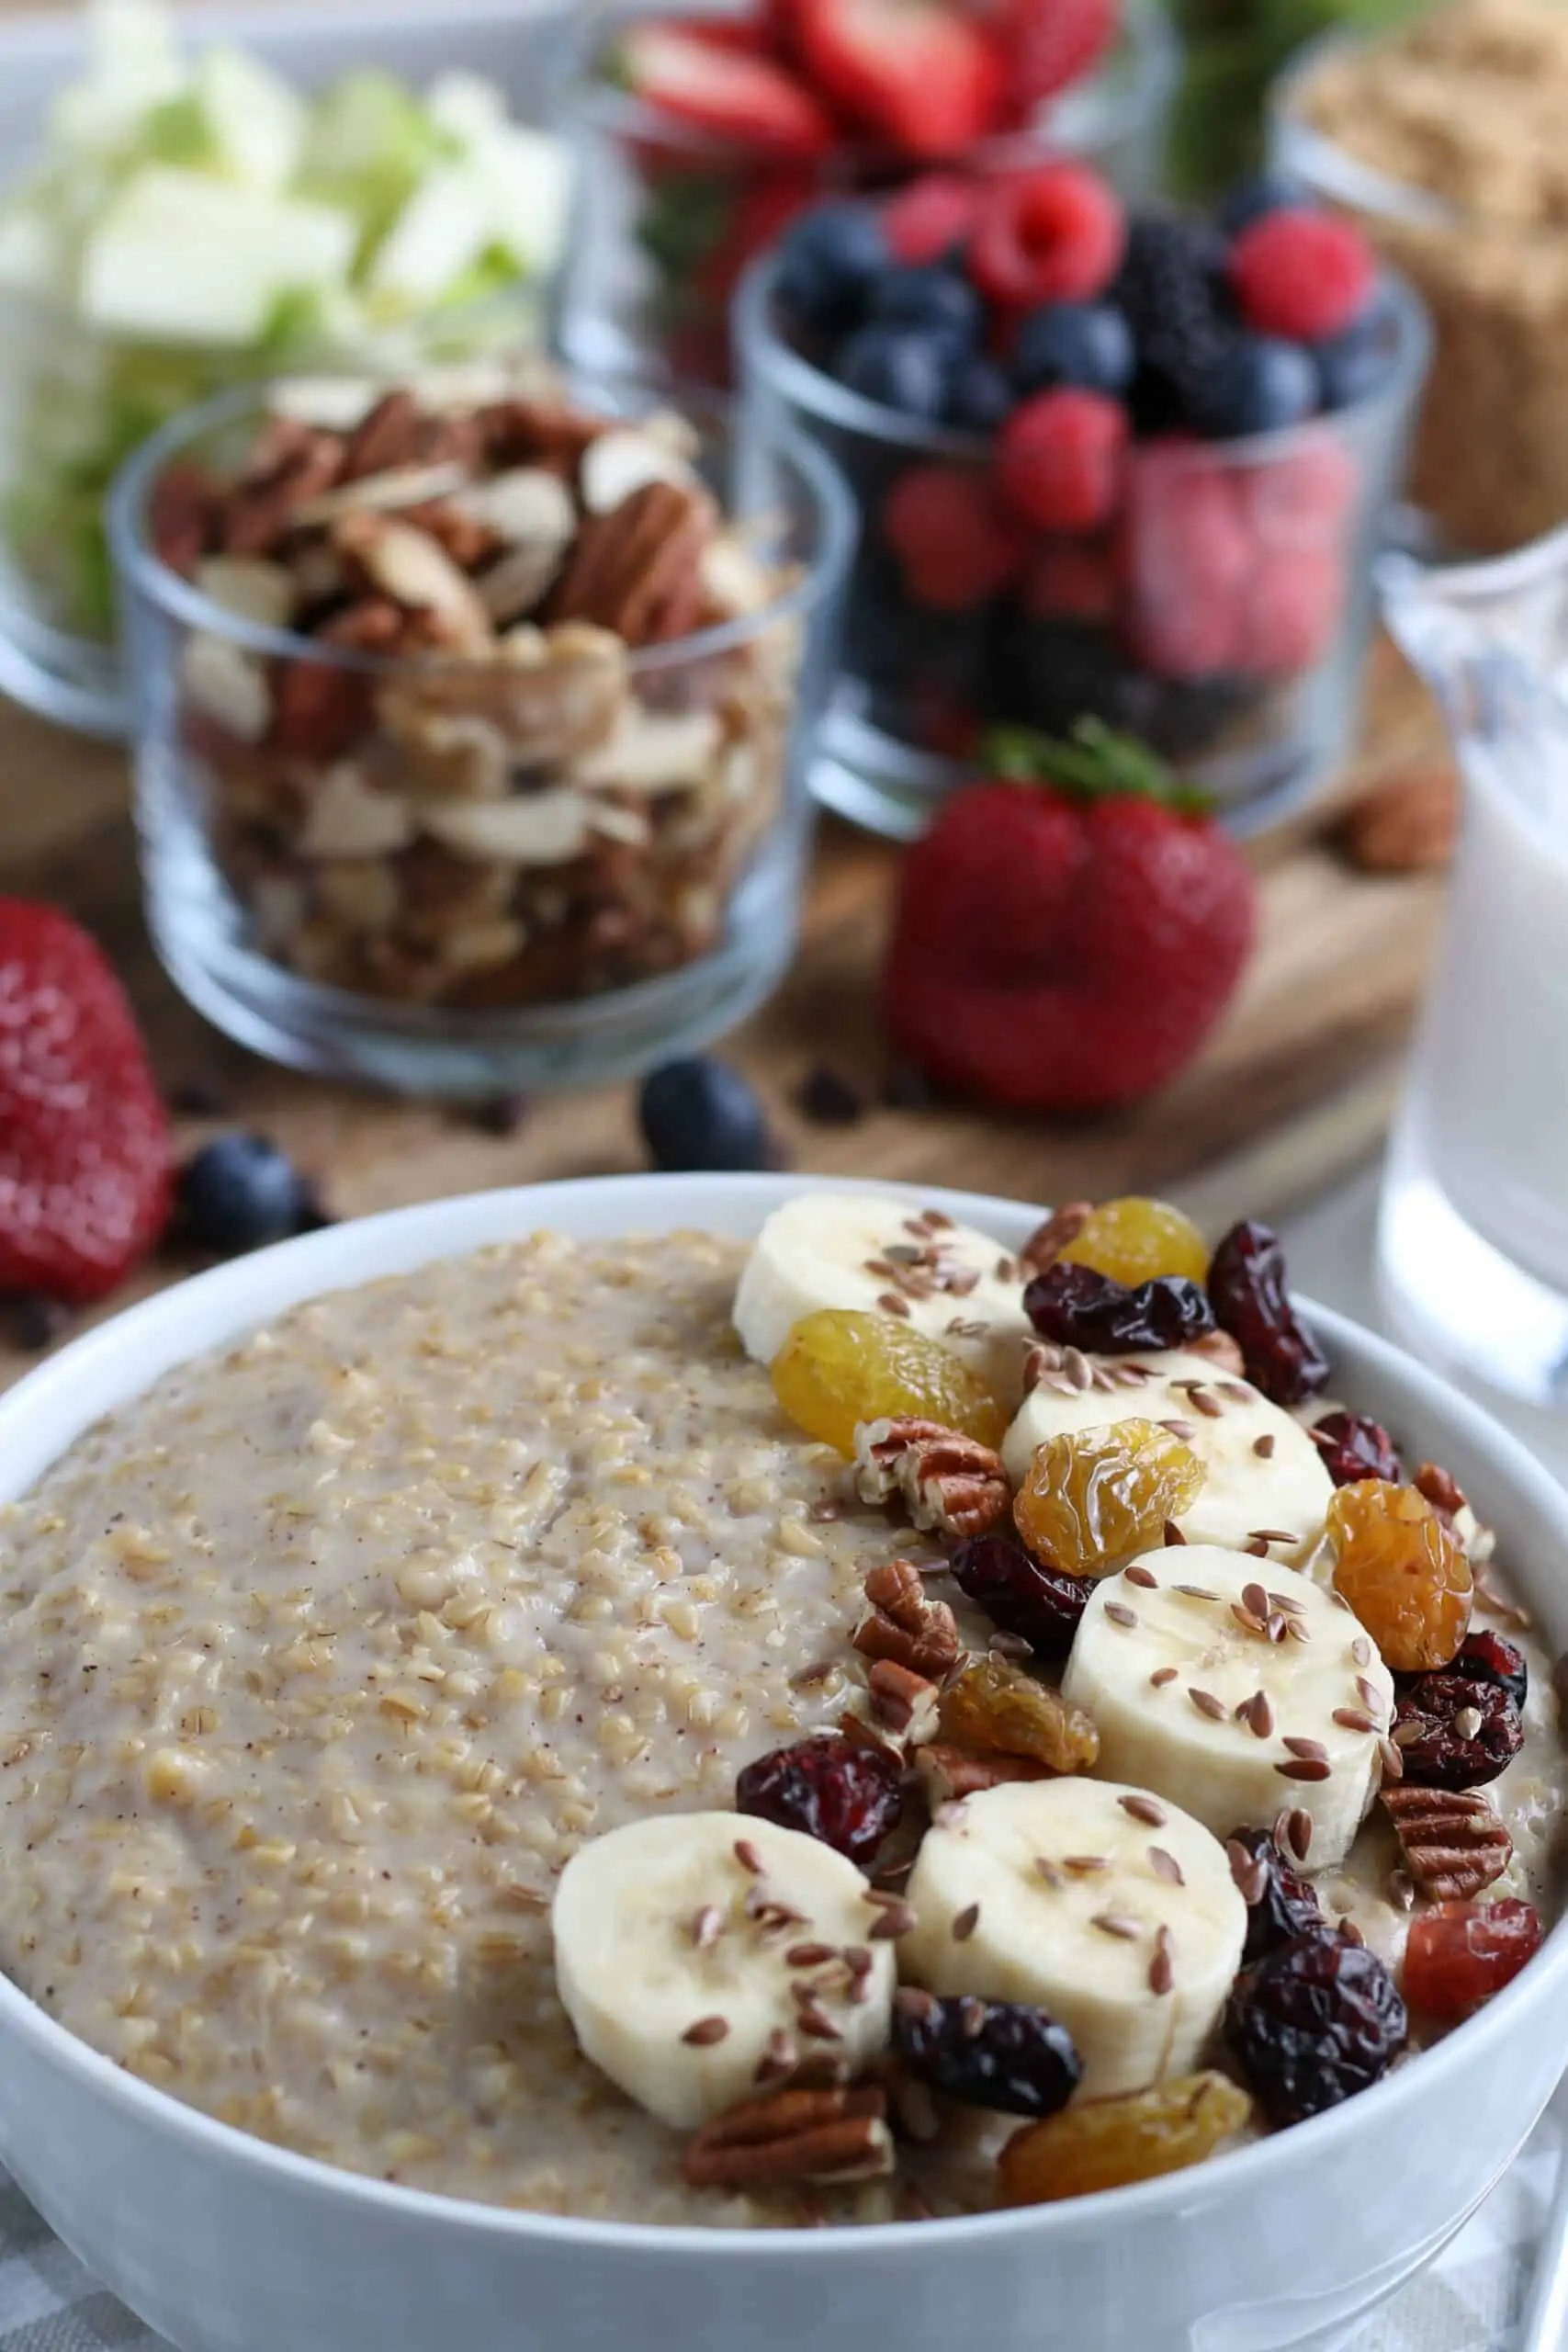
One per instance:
[(948, 1481), (1453, 1845), (793, 2135)]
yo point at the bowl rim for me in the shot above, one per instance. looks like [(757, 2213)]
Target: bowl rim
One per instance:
[(250, 1291), (142, 573), (767, 359)]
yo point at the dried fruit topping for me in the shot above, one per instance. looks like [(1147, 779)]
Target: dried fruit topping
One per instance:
[(1453, 1844), (947, 1480), (993, 1706), (1136, 1240), (1486, 1656), (1403, 1573), (844, 1365), (1453, 1731), (849, 1797), (1093, 1496), (1000, 2054), (1354, 1447), (1279, 1903), (1111, 2142), (1458, 1955), (1246, 1287), (1318, 2020), (1076, 1307), (1042, 1606)]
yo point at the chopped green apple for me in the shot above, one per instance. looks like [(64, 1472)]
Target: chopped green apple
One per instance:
[(257, 122), (240, 250)]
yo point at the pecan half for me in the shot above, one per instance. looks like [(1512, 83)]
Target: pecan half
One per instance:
[(1047, 1241), (901, 1702), (903, 1624), (1453, 1844), (949, 1481), (1441, 1490), (639, 571), (388, 435), (951, 1773), (805, 2135), (1221, 1350), (1407, 823)]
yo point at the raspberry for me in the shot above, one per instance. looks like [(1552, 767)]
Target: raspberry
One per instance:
[(1059, 460), (1054, 236), (1304, 497), (953, 550), (1303, 275), (1050, 43), (1185, 563), (1290, 612), (930, 218)]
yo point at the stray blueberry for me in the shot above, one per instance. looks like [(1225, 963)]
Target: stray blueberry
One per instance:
[(240, 1192), (898, 369), (931, 301), (701, 1114), (1256, 384), (34, 1322), (826, 263), (499, 1114), (979, 399), (1254, 197), (826, 1098), (1353, 366), (1086, 345)]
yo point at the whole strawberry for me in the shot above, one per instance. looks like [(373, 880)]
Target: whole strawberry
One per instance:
[(1066, 936), (85, 1160)]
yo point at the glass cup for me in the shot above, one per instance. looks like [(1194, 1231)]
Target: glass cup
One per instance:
[(669, 217), (326, 886), (1224, 617)]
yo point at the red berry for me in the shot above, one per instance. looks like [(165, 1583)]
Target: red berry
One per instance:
[(931, 217), (849, 1797), (1059, 460), (84, 1158), (1290, 612), (1071, 580), (1305, 496), (917, 73), (954, 550), (1459, 1955), (1303, 275), (1185, 559), (748, 99), (1050, 43), (1053, 236)]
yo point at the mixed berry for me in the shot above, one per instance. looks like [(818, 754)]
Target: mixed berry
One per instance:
[(1079, 533)]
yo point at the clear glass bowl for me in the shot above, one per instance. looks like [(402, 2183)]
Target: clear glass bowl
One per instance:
[(313, 887), (1490, 466), (669, 217), (1224, 617)]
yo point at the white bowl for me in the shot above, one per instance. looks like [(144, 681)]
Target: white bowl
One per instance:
[(228, 2245)]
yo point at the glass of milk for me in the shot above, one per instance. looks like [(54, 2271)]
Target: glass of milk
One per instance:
[(1473, 1228)]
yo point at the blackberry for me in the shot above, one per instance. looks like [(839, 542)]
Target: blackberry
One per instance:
[(1049, 674), (1183, 718), (1172, 292)]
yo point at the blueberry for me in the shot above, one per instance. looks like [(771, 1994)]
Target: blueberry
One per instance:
[(1087, 344), (897, 368), (979, 399), (702, 1114), (1256, 384), (240, 1192), (827, 262), (1254, 197), (929, 301), (1353, 366)]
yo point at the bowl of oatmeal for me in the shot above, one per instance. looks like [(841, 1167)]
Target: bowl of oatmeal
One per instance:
[(551, 1740)]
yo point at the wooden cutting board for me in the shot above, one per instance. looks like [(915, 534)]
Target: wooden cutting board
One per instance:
[(1295, 1091)]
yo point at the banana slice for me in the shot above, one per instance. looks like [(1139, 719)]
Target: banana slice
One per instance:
[(699, 1952), (1265, 1476), (1236, 1686), (862, 1250), (1100, 1902)]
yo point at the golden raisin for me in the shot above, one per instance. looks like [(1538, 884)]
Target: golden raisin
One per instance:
[(1133, 1241), (1108, 2142), (1094, 1496), (1403, 1572), (1000, 1710), (843, 1366)]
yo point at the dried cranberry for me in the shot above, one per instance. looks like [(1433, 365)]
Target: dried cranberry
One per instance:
[(1079, 1308), (1279, 1903), (1020, 1594), (1000, 2054), (1246, 1287), (1492, 1657), (849, 1797), (1354, 1447), (1318, 2020), (1454, 1732), (1458, 1955)]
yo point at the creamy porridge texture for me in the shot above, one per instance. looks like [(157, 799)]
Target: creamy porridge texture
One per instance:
[(323, 1660)]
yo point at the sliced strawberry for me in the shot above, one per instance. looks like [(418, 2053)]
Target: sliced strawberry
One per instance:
[(1049, 44), (746, 99), (917, 73)]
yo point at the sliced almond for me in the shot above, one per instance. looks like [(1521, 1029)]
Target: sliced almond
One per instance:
[(415, 572), (548, 827), (518, 582), (623, 461), (456, 754), (735, 577), (653, 752), (331, 404), (360, 894), (383, 493), (522, 506), (552, 699), (248, 586), (464, 385), (349, 818), (228, 685)]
